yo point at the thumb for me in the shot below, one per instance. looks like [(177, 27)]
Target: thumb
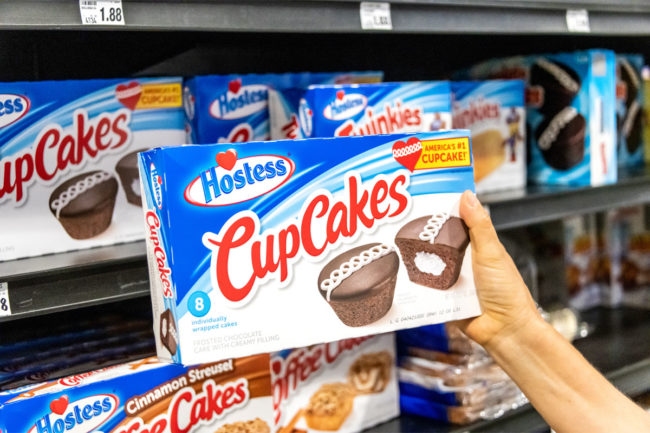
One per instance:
[(484, 237)]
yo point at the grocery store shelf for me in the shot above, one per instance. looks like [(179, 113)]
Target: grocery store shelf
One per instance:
[(57, 282), (537, 204), (613, 348), (624, 17)]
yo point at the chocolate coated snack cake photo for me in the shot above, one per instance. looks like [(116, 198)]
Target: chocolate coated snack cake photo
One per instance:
[(127, 169), (561, 139), (433, 248), (84, 204), (168, 334), (560, 83), (359, 284)]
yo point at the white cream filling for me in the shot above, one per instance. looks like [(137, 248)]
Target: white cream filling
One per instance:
[(629, 119), (429, 263), (559, 74), (554, 127), (630, 71)]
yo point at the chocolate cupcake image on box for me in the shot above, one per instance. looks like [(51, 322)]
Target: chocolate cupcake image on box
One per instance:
[(632, 125), (370, 373), (560, 83), (84, 204), (168, 334), (561, 139), (359, 284), (433, 248), (127, 170)]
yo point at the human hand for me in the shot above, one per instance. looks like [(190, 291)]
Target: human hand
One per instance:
[(505, 300)]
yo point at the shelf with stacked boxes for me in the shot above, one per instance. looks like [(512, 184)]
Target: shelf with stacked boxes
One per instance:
[(612, 348), (342, 16)]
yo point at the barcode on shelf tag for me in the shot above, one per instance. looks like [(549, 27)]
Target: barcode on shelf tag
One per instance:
[(577, 20), (5, 308), (101, 12), (375, 16)]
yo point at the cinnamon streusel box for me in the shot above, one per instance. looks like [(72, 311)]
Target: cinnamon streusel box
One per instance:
[(345, 386), (66, 179), (146, 396), (249, 243)]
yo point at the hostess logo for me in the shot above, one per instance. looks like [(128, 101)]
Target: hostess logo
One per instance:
[(82, 416), (235, 180), (156, 186), (345, 106), (239, 101), (12, 108)]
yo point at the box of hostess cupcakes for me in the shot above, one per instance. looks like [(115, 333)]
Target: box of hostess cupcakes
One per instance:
[(68, 165), (267, 246), (630, 102), (570, 116)]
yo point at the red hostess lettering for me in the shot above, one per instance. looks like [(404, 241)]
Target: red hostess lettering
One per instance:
[(56, 150), (159, 256)]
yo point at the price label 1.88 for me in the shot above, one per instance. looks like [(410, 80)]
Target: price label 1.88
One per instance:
[(101, 12), (5, 308)]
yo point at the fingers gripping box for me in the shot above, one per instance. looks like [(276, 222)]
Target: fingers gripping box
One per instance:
[(370, 109), (494, 112), (68, 166), (345, 386), (146, 396), (360, 235)]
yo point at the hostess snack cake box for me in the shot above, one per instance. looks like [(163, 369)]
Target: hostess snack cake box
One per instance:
[(646, 113), (344, 386), (68, 173), (494, 111), (230, 396), (370, 109), (630, 104), (581, 260), (571, 113), (235, 108), (284, 103), (358, 234)]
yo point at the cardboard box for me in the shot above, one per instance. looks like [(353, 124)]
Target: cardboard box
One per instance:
[(630, 103)]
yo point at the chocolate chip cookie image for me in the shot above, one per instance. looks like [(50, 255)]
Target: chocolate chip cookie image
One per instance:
[(127, 170), (561, 139), (560, 83), (360, 283), (432, 249), (329, 407), (253, 426), (371, 372), (84, 204)]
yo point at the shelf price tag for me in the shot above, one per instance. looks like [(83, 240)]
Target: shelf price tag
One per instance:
[(375, 16), (5, 308), (577, 20), (101, 12)]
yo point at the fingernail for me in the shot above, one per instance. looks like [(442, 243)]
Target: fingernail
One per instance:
[(472, 200)]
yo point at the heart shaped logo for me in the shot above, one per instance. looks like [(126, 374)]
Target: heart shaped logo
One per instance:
[(340, 94), (408, 154), (129, 94), (59, 405), (227, 159), (235, 85)]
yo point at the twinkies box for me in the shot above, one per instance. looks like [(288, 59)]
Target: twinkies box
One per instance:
[(571, 105), (495, 113), (249, 244), (345, 386), (629, 109), (68, 165), (371, 109), (147, 396)]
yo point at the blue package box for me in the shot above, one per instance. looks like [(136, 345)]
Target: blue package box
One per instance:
[(494, 111), (570, 114), (359, 235), (629, 109), (370, 109)]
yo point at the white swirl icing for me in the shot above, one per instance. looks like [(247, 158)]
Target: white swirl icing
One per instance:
[(630, 71), (411, 148), (354, 264), (554, 127), (77, 188), (433, 226), (629, 118), (559, 74)]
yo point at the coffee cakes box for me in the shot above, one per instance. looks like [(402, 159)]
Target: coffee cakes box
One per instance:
[(146, 396), (495, 113), (571, 120), (68, 165), (344, 386), (249, 243)]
